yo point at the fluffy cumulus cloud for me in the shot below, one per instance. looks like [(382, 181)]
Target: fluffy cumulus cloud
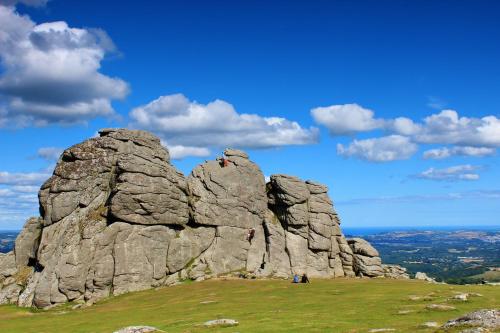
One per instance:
[(445, 152), (346, 119), (454, 173), (447, 127), (191, 128), (50, 72), (178, 152), (384, 149), (469, 136)]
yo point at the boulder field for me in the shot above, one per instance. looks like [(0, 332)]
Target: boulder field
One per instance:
[(116, 217)]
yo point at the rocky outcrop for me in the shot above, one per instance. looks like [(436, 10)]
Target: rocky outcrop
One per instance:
[(395, 272), (485, 318), (366, 259), (424, 277), (310, 227), (117, 217)]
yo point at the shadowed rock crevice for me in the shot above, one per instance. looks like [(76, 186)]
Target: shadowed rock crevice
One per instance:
[(117, 217)]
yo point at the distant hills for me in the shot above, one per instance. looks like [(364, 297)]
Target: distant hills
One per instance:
[(458, 256)]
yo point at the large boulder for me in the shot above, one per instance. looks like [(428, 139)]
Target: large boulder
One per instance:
[(230, 195), (27, 242), (395, 272), (106, 217), (228, 192), (366, 260), (117, 217), (311, 226)]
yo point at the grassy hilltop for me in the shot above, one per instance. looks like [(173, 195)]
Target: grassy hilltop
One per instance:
[(341, 305)]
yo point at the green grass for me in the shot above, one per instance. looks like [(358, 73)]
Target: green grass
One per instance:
[(340, 305), (490, 276)]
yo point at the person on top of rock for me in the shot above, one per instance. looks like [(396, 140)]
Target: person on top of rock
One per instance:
[(295, 278), (224, 161), (304, 279)]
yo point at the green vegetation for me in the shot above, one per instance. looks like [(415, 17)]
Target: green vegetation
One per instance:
[(340, 305), (450, 256), (490, 276)]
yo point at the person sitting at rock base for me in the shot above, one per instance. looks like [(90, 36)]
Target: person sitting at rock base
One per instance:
[(304, 279), (295, 278)]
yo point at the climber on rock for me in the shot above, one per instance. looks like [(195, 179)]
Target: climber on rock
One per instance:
[(251, 234), (224, 161)]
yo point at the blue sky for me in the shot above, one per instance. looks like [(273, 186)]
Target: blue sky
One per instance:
[(393, 104)]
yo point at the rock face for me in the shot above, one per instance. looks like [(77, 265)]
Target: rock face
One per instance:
[(366, 259), (308, 227), (117, 217)]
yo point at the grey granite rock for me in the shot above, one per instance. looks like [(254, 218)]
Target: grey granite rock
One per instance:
[(117, 217), (233, 195), (487, 318), (27, 241)]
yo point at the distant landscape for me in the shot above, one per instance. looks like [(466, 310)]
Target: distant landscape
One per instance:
[(7, 239), (452, 256)]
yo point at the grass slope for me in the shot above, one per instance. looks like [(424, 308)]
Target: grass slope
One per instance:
[(340, 305)]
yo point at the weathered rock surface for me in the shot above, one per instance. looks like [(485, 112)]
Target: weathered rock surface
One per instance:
[(138, 329), (395, 272), (312, 237), (424, 277), (486, 318), (232, 196), (117, 217), (366, 259), (221, 322), (27, 242)]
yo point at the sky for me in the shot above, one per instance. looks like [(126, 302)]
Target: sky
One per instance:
[(395, 105)]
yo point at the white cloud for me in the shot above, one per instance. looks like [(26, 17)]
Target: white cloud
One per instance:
[(445, 152), (30, 178), (178, 152), (384, 149), (402, 126), (346, 119), (50, 153), (197, 127), (447, 127), (469, 136), (19, 196), (17, 203), (454, 173), (51, 72)]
